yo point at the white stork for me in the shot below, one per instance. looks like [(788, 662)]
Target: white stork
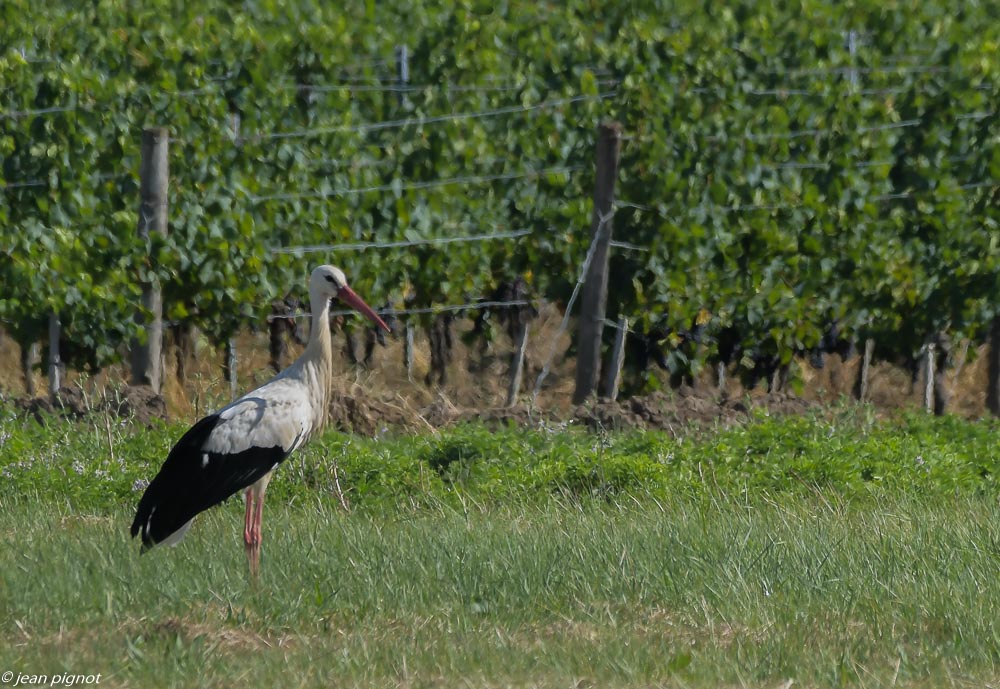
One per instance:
[(239, 446)]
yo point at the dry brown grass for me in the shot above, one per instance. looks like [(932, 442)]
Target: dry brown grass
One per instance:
[(477, 377)]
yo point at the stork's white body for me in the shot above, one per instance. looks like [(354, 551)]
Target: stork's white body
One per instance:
[(239, 446), (285, 412)]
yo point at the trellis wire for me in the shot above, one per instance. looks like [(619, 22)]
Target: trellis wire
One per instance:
[(37, 111), (444, 308), (787, 165), (628, 246), (409, 186), (800, 133), (410, 88), (380, 84), (364, 246), (739, 208), (385, 162), (103, 177), (430, 119)]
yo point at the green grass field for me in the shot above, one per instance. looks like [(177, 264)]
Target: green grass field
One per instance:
[(790, 552)]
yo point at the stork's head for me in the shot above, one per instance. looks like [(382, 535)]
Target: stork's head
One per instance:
[(328, 283)]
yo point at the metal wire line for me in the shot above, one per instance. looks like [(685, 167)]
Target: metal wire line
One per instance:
[(409, 186), (444, 308), (103, 177), (430, 119), (739, 208), (411, 88), (365, 246), (37, 111)]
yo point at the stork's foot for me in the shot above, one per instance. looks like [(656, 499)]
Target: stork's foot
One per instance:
[(253, 559), (251, 542)]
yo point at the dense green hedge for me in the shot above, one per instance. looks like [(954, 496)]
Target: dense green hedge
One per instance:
[(778, 178)]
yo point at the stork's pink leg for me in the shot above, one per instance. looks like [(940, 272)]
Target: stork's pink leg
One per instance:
[(252, 547), (258, 518), (247, 523)]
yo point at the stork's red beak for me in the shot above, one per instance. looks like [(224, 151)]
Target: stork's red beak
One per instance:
[(350, 297)]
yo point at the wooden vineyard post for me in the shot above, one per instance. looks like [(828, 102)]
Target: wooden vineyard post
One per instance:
[(55, 362), (612, 380), (595, 286), (29, 355), (777, 380), (940, 391), (993, 369), (408, 352), (147, 357), (942, 395), (229, 371), (276, 337), (517, 365), (929, 353), (866, 363)]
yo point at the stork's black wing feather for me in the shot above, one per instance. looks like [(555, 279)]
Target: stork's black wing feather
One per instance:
[(193, 480)]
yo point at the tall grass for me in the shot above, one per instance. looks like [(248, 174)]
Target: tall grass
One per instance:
[(689, 592), (823, 552)]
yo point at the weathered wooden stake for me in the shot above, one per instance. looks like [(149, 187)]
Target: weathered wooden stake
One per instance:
[(147, 357), (777, 380), (942, 356), (929, 355), (29, 355), (720, 376), (942, 394), (866, 363), (852, 49), (595, 286), (612, 379), (408, 352), (993, 369), (517, 365), (230, 368), (55, 362)]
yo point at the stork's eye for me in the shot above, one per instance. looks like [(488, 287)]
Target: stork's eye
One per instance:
[(329, 278)]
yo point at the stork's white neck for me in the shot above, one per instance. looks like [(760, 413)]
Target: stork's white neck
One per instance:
[(319, 334), (315, 365)]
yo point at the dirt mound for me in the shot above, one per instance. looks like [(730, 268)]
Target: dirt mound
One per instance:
[(136, 402), (673, 411), (367, 416), (140, 403), (372, 416), (521, 416)]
